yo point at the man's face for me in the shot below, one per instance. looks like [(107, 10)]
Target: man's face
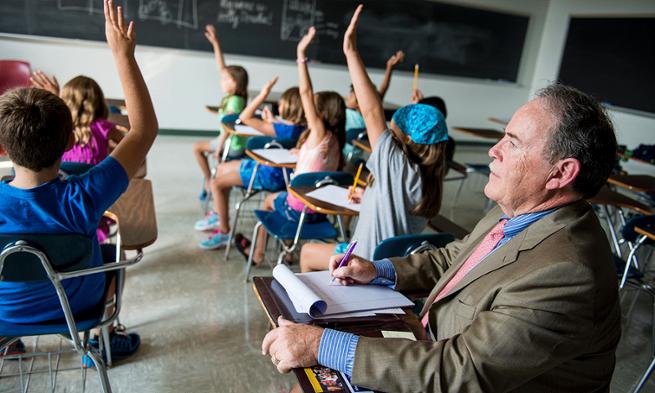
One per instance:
[(519, 170)]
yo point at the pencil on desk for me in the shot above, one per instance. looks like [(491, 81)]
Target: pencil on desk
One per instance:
[(415, 81), (359, 171)]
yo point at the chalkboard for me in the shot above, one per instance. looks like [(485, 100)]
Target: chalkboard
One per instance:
[(442, 38), (612, 59)]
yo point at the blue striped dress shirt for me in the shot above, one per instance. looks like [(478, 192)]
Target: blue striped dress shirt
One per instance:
[(337, 349)]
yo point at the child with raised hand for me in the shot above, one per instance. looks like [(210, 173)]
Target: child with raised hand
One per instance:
[(238, 172), (319, 147), (354, 118), (92, 131), (407, 165), (36, 128), (234, 83)]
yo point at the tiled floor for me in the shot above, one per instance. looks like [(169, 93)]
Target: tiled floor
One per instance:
[(200, 323)]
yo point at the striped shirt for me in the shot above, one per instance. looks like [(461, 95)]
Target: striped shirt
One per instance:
[(337, 349)]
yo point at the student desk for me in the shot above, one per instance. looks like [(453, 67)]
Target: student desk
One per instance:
[(274, 304), (135, 211), (317, 205), (263, 161), (487, 133), (498, 120), (607, 197), (363, 144), (634, 183)]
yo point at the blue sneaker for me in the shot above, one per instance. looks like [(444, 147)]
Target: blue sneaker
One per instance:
[(122, 347), (215, 241), (210, 222)]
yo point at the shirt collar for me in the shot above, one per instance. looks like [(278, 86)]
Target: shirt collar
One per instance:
[(517, 224)]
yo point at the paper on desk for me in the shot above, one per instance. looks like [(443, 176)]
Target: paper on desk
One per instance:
[(246, 130), (335, 195), (312, 293), (278, 156), (359, 314)]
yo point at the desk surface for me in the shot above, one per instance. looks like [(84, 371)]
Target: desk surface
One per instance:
[(498, 120), (135, 210), (266, 162), (488, 133), (635, 183), (317, 205), (370, 327), (647, 233), (612, 198), (362, 144)]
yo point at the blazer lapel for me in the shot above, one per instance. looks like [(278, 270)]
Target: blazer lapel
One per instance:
[(509, 252)]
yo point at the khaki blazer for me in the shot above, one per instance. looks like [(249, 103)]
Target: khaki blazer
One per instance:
[(540, 314)]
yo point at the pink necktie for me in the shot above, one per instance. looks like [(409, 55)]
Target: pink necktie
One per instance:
[(485, 247)]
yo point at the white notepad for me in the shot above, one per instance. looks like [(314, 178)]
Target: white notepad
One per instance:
[(312, 293), (335, 195), (247, 131), (278, 156)]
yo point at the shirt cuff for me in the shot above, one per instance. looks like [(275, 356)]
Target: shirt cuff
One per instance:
[(386, 273), (337, 350)]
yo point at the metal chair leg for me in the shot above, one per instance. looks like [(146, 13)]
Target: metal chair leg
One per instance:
[(633, 251), (249, 194), (255, 233), (101, 369), (107, 343), (644, 377)]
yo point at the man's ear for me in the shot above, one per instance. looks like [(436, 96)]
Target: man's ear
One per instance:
[(564, 173)]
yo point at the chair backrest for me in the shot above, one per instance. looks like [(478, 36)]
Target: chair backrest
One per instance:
[(14, 73), (23, 256), (402, 245), (75, 168), (318, 179), (230, 119), (266, 142), (356, 133)]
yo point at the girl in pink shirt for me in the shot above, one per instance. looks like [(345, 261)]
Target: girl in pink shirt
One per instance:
[(319, 147)]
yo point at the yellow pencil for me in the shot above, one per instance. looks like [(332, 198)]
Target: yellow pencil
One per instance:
[(359, 171), (415, 81)]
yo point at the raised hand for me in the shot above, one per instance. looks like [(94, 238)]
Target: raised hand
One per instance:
[(210, 34), (304, 42), (396, 58), (266, 90), (358, 270), (350, 36), (42, 81), (121, 38)]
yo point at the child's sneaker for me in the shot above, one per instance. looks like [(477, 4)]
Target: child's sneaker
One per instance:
[(215, 241), (15, 348), (210, 222), (122, 347)]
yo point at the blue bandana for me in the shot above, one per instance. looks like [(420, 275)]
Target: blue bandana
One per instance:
[(424, 124)]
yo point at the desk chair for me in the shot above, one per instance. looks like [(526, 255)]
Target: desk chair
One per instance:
[(403, 245), (281, 228), (27, 258), (14, 73), (350, 150), (257, 142)]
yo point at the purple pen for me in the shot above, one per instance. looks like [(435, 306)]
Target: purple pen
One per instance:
[(346, 257)]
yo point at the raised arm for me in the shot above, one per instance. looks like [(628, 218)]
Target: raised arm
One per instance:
[(370, 103), (247, 116), (396, 58), (212, 37), (314, 122), (42, 81), (132, 150)]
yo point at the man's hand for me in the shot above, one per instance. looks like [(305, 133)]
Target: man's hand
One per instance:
[(396, 58), (42, 81), (292, 345), (121, 39), (358, 270), (350, 36)]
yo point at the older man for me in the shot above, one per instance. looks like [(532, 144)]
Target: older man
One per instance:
[(527, 302)]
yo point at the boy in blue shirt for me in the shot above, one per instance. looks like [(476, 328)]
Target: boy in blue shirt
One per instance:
[(35, 130)]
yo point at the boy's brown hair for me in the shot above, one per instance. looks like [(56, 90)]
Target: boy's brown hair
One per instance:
[(35, 127)]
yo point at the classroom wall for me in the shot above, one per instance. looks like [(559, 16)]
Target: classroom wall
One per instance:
[(183, 82), (632, 129)]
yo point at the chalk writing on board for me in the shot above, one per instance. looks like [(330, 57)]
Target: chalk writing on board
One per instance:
[(297, 17), (90, 6), (243, 12), (183, 13)]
